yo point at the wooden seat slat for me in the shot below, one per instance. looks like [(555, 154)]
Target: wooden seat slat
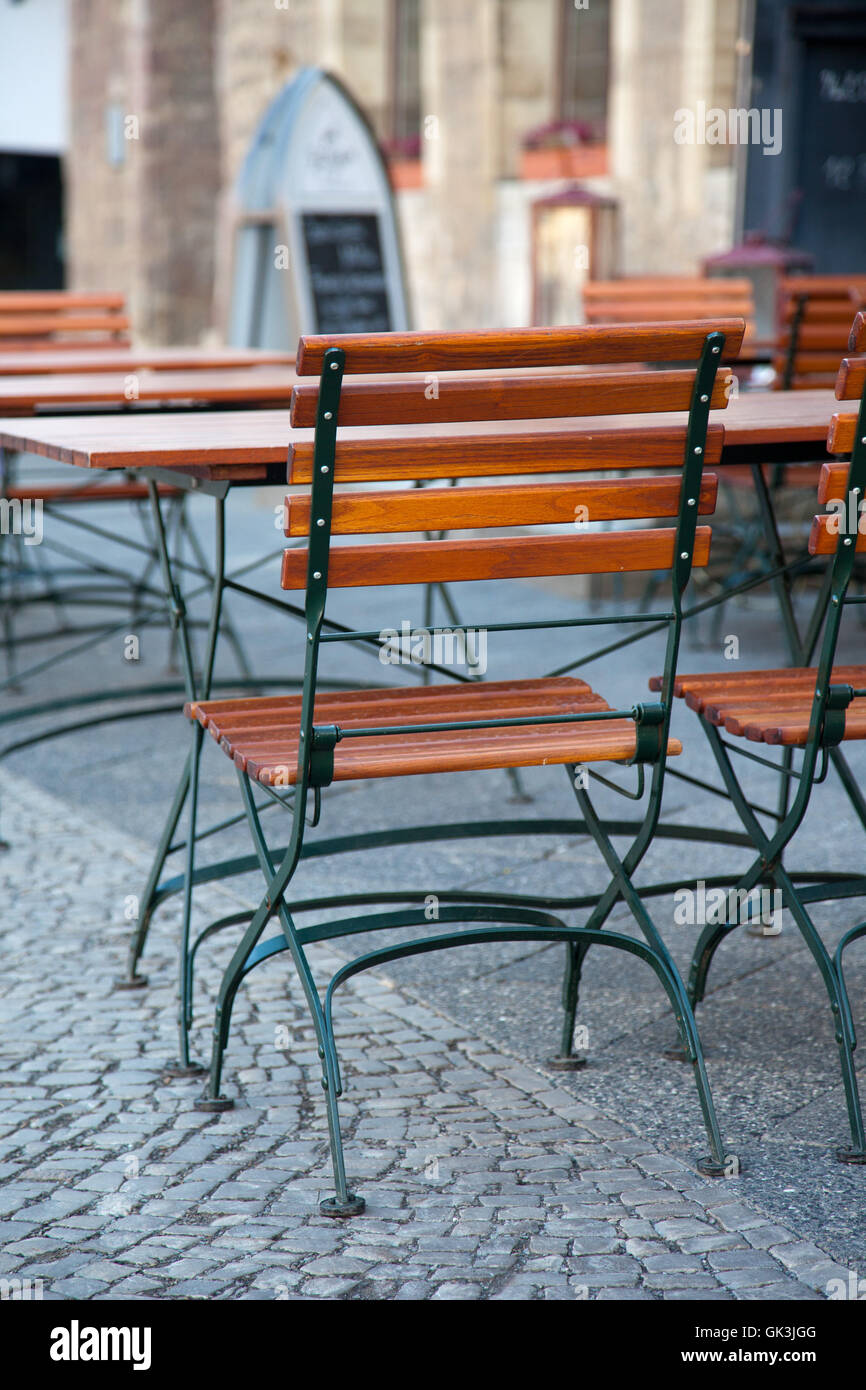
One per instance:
[(271, 755)]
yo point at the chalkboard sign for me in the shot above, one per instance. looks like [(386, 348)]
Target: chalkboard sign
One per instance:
[(347, 272), (316, 247)]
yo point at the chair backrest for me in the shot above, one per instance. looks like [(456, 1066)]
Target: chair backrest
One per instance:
[(35, 320), (666, 298), (839, 532), (529, 429), (815, 313)]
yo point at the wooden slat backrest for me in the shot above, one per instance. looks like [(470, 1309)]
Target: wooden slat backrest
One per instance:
[(815, 314), (833, 482), (663, 286), (39, 319), (574, 504)]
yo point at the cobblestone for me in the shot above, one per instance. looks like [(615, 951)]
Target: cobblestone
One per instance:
[(484, 1179)]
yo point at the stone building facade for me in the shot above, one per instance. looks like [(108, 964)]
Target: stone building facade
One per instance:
[(165, 98)]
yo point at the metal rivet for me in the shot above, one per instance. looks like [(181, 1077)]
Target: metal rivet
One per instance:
[(324, 468), (317, 574), (698, 449), (302, 734), (716, 349), (835, 598), (691, 502), (329, 414), (684, 555), (309, 637), (704, 399), (848, 541), (334, 366), (320, 521)]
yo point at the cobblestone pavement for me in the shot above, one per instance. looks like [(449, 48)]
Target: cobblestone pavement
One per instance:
[(483, 1179)]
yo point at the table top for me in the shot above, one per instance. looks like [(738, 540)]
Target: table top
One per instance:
[(247, 445), (25, 395), (109, 358)]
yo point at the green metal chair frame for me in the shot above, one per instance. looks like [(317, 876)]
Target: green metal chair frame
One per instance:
[(513, 918), (826, 732)]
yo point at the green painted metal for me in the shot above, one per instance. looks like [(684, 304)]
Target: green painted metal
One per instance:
[(826, 730), (515, 918)]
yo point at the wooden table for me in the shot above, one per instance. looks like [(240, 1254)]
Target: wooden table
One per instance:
[(128, 359), (251, 446), (27, 395)]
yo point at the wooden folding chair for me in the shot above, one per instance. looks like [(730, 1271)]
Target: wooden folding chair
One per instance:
[(813, 710), (291, 749)]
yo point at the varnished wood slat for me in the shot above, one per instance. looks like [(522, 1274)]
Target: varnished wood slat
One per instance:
[(794, 732), (833, 481), (842, 433), (857, 336), (518, 347), (716, 684), (824, 286), (506, 398), (808, 363), (270, 384), (466, 455), (455, 509), (106, 492), (40, 325), (108, 357), (523, 557), (818, 337), (851, 379), (824, 541), (50, 301), (664, 286), (270, 753)]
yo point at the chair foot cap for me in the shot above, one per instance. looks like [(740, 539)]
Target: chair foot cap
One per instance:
[(131, 982), (175, 1071), (332, 1206), (851, 1155), (215, 1104), (712, 1168), (575, 1063)]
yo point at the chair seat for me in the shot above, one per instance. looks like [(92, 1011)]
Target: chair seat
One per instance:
[(261, 735), (767, 706)]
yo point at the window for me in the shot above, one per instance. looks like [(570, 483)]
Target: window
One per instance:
[(582, 64), (404, 116)]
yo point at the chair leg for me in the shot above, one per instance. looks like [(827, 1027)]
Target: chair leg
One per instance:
[(132, 980), (567, 1059), (718, 1163), (840, 1008), (185, 1066)]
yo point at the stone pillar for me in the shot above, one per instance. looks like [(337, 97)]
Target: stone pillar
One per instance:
[(143, 170), (676, 200), (460, 148)]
